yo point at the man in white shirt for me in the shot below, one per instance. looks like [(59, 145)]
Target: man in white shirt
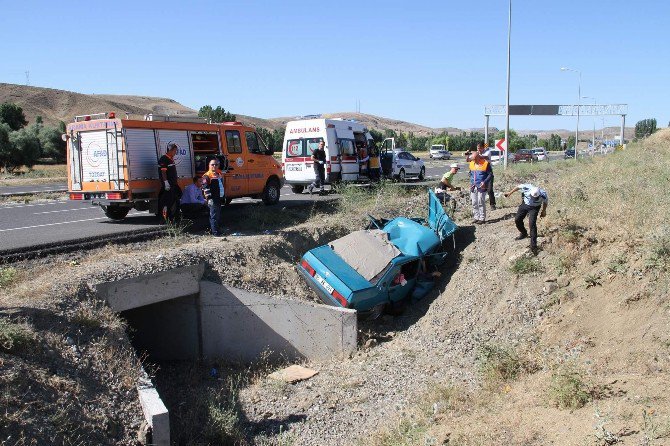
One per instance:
[(192, 200), (533, 198)]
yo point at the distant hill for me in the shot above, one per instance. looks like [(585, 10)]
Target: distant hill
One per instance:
[(61, 105)]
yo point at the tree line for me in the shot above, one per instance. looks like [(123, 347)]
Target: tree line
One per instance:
[(22, 144)]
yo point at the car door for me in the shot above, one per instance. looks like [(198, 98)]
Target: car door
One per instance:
[(257, 169), (414, 167), (237, 175)]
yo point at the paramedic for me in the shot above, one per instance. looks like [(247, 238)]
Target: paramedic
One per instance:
[(193, 202), (375, 166), (480, 175), (319, 158), (533, 198), (213, 189), (168, 197), (363, 159)]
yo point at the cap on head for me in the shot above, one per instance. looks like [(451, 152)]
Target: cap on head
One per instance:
[(171, 146), (535, 192), (454, 166)]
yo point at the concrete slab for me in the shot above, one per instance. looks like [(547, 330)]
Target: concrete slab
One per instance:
[(241, 325), (136, 292), (156, 415)]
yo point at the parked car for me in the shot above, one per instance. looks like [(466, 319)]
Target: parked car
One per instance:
[(540, 153), (381, 265), (438, 152), (496, 156), (569, 153), (524, 156), (401, 165)]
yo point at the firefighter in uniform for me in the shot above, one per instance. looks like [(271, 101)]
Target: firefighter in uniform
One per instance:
[(170, 194)]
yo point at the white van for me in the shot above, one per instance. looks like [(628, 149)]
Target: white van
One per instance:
[(342, 138)]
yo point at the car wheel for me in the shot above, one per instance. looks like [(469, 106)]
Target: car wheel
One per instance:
[(401, 176), (298, 188), (115, 212), (271, 192), (422, 174)]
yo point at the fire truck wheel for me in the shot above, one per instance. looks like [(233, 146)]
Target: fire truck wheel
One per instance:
[(297, 188), (116, 212), (271, 192)]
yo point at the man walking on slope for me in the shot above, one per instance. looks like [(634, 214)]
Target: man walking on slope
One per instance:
[(534, 198), (480, 175)]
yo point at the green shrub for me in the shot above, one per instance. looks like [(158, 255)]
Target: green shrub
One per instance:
[(497, 363), (659, 251), (525, 265), (15, 336), (568, 390), (7, 276)]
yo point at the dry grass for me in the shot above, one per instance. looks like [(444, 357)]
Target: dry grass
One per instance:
[(39, 174), (615, 197)]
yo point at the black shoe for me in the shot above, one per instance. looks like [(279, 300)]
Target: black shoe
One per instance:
[(534, 250), (520, 236), (493, 207)]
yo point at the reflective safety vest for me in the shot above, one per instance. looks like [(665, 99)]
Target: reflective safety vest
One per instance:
[(478, 173)]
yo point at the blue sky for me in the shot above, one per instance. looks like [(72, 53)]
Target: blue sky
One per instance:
[(433, 63)]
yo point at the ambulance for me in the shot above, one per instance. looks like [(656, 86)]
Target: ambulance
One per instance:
[(114, 162), (347, 144)]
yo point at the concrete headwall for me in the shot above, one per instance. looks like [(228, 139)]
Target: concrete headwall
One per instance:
[(238, 324), (136, 292)]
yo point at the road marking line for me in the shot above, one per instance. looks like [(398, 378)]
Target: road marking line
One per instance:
[(64, 210), (32, 205), (52, 224)]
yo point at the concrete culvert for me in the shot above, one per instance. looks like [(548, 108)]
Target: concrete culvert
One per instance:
[(174, 315)]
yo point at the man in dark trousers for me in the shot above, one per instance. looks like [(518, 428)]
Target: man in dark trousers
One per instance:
[(168, 197), (319, 158), (213, 189), (533, 198)]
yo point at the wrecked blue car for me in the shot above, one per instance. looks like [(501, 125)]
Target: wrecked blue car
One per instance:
[(384, 264)]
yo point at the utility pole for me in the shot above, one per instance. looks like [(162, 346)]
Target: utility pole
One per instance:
[(509, 41)]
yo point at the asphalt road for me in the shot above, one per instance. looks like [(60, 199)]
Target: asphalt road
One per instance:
[(34, 189), (26, 225)]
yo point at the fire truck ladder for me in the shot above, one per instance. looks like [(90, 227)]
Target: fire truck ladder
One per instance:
[(116, 176)]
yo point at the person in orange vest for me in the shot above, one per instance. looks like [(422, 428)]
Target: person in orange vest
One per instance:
[(480, 175), (212, 188)]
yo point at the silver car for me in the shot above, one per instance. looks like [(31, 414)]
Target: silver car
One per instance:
[(439, 153), (404, 165)]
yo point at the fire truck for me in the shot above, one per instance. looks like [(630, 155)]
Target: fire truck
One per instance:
[(114, 162)]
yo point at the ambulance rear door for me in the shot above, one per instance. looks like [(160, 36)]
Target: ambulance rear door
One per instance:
[(347, 149)]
